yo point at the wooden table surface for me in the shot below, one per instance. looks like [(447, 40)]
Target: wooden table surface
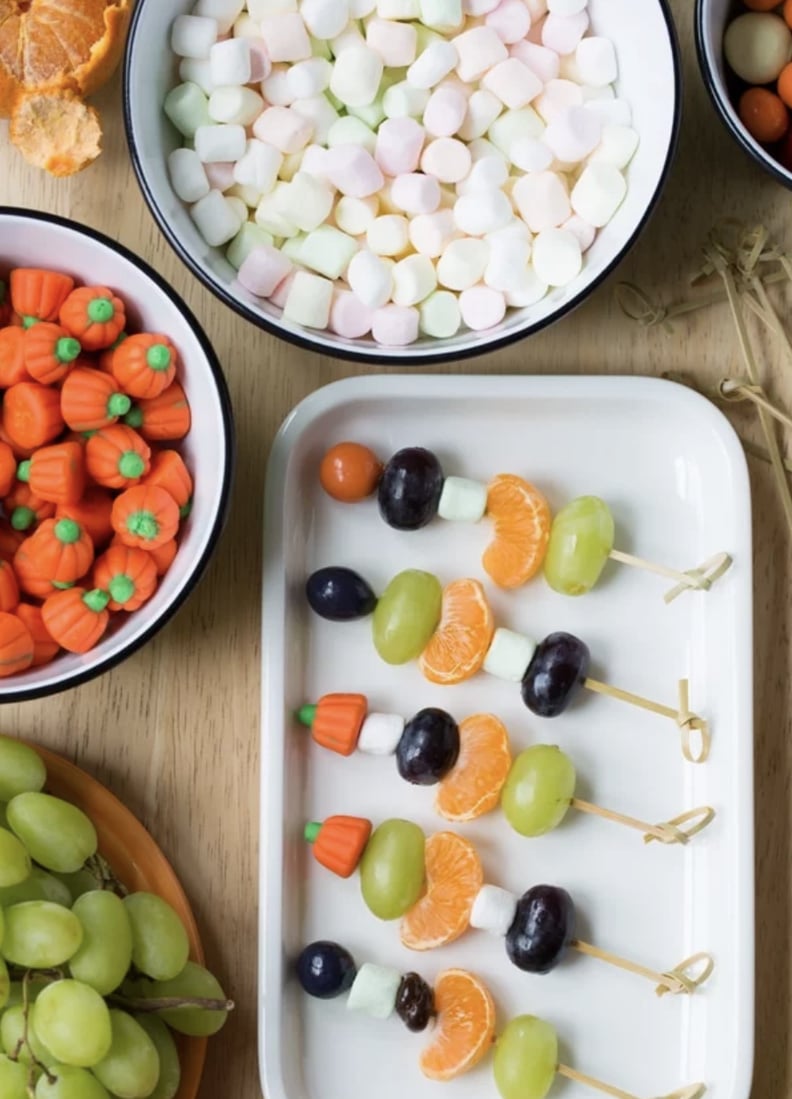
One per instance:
[(175, 730)]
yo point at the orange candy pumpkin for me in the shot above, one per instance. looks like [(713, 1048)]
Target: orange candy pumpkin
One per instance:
[(44, 648), (339, 842), (50, 352), (37, 295), (25, 510), (56, 473), (169, 472), (144, 365), (94, 315), (164, 418), (12, 356), (62, 550), (31, 414), (16, 645), (10, 540), (76, 618), (30, 578), (92, 512), (163, 555), (145, 516), (117, 457), (128, 574), (90, 400)]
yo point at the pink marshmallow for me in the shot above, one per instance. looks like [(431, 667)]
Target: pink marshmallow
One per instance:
[(286, 37), (445, 112), (349, 317), (415, 193), (353, 171), (447, 159), (545, 63), (482, 307), (281, 292), (563, 33), (263, 270), (399, 145), (395, 325), (283, 128), (478, 7), (220, 175), (511, 21), (513, 83), (396, 43), (260, 62)]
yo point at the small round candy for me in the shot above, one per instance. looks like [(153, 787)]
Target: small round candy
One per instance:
[(757, 46), (350, 472), (339, 594), (555, 675), (764, 114), (325, 969)]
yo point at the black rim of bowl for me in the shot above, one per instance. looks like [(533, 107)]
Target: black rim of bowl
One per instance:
[(734, 127), (366, 356), (75, 679)]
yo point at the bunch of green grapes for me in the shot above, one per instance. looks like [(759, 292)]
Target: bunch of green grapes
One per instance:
[(92, 979)]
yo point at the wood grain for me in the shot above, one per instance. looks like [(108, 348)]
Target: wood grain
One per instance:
[(175, 731)]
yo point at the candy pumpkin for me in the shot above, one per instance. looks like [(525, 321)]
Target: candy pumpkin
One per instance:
[(169, 472), (23, 509), (163, 418), (12, 356), (163, 555), (10, 540), (44, 648), (339, 842), (105, 360), (62, 550), (31, 414), (76, 618), (49, 352), (117, 457), (38, 294), (94, 316), (16, 645), (90, 400), (55, 473), (128, 574), (92, 512), (29, 575), (144, 365), (145, 516)]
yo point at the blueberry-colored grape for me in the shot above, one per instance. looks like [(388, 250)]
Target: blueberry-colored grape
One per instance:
[(415, 1002), (339, 594), (325, 969), (556, 673), (410, 487), (428, 748), (542, 929)]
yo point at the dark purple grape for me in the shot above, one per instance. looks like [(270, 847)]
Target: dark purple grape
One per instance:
[(339, 594), (542, 929), (428, 748), (555, 674), (410, 487), (415, 1002), (325, 969)]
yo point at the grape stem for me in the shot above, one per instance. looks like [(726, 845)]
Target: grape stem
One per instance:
[(671, 831), (683, 718), (689, 975), (103, 873), (24, 1041), (692, 1091), (170, 1003), (699, 579)]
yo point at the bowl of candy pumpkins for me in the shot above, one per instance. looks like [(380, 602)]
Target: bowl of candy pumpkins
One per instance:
[(116, 453)]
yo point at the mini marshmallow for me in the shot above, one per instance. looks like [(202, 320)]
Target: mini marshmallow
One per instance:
[(556, 257), (415, 193), (283, 128), (380, 734), (357, 79), (414, 279), (328, 251), (566, 7), (354, 215), (308, 202), (286, 37), (370, 278), (263, 269), (430, 233), (462, 263), (216, 218), (572, 134), (511, 21), (319, 111), (584, 231), (513, 125), (479, 49), (247, 27), (235, 105), (224, 12), (479, 8), (309, 78), (308, 302), (353, 171), (194, 70), (531, 155), (187, 175), (482, 307), (388, 235), (270, 213), (442, 15), (508, 260), (445, 112), (220, 175), (596, 61), (395, 325), (434, 63), (617, 147), (371, 115), (276, 87), (513, 83), (188, 109), (447, 159), (462, 500), (250, 236), (394, 42), (350, 36), (613, 112), (193, 35), (399, 144), (229, 62), (562, 33), (239, 209), (482, 109), (482, 212), (439, 317), (249, 195), (558, 96), (351, 131), (493, 910), (359, 9), (402, 100), (324, 18), (282, 291), (374, 990), (259, 166), (509, 655), (350, 318), (220, 142), (260, 63), (398, 9), (489, 173), (542, 200), (543, 62), (261, 9), (314, 160), (598, 193)]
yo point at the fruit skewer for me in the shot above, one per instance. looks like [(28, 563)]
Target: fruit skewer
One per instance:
[(451, 632), (526, 1054), (436, 886), (472, 766), (572, 549)]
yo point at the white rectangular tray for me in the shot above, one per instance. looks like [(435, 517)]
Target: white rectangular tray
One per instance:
[(674, 474)]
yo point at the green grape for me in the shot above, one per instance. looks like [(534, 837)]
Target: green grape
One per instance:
[(37, 886), (59, 836), (5, 986), (104, 958), (526, 1056), (12, 1033), (21, 769), (194, 982), (581, 538), (13, 1079), (130, 1069), (406, 616), (14, 859), (538, 791), (170, 1066), (392, 868), (80, 882), (159, 942), (40, 935), (73, 1022), (68, 1082)]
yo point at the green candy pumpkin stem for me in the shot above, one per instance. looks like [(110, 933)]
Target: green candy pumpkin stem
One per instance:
[(131, 465), (158, 357), (118, 405), (67, 349), (96, 600), (143, 524), (312, 830), (307, 714), (100, 311)]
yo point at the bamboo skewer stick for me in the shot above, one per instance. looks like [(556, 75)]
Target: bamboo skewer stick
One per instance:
[(677, 981), (686, 721), (698, 579), (692, 1091), (668, 832)]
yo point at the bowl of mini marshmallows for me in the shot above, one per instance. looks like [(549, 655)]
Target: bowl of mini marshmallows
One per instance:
[(402, 181)]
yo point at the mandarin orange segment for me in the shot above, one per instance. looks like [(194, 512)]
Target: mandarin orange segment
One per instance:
[(465, 1027), (473, 787), (453, 878), (522, 521), (458, 646)]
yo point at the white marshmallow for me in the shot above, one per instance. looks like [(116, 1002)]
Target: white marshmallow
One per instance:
[(356, 80), (479, 8), (572, 134), (283, 128), (613, 112), (250, 236), (509, 655), (193, 35), (441, 15), (229, 62), (374, 990), (194, 70), (588, 92), (482, 109), (216, 218), (264, 269), (462, 263), (479, 49), (349, 130), (398, 9), (325, 18), (482, 212), (511, 21), (247, 27), (309, 299), (308, 202), (585, 232), (598, 193), (187, 175), (566, 7), (370, 278), (513, 125), (439, 317), (435, 62), (276, 87), (489, 173), (220, 143), (286, 37), (482, 307), (350, 36), (224, 12), (508, 260), (259, 166), (596, 61), (395, 325), (415, 193), (249, 195), (543, 62), (562, 33), (556, 256), (414, 279), (372, 114), (531, 155), (380, 734), (387, 235), (446, 159), (270, 213), (309, 78), (260, 9), (354, 215), (314, 160), (513, 83), (617, 147), (359, 9), (445, 111), (531, 290), (394, 42), (558, 96), (430, 233), (493, 910), (235, 105), (319, 111), (462, 500), (402, 100), (188, 109)]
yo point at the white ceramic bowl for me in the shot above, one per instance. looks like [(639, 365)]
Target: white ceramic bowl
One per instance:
[(649, 78), (712, 18), (32, 239)]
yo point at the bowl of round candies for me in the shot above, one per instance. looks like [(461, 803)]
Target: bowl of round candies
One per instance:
[(402, 180), (116, 443)]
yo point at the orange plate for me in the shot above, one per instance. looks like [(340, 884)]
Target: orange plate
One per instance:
[(140, 865)]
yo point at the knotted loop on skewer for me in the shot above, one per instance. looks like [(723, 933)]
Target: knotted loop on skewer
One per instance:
[(698, 579), (672, 831), (741, 389), (689, 975), (690, 724)]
